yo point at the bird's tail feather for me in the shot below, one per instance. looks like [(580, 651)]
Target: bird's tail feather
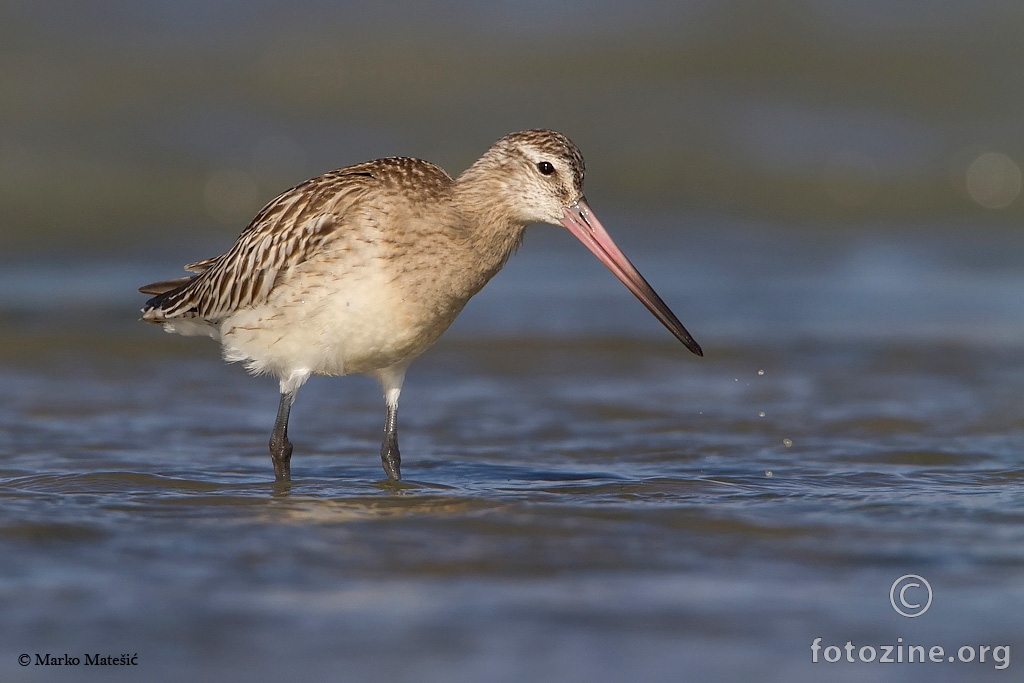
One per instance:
[(164, 290)]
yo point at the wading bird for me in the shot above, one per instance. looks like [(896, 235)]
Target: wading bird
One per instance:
[(361, 269)]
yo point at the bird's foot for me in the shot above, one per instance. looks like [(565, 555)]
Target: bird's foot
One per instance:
[(390, 458), (281, 454)]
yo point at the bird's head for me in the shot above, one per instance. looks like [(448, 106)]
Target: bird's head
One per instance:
[(536, 176), (542, 170)]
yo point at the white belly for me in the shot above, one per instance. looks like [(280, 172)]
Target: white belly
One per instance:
[(320, 323)]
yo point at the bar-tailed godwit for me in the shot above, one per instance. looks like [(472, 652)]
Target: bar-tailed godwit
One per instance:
[(361, 269)]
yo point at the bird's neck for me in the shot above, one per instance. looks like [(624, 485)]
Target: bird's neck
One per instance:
[(493, 231)]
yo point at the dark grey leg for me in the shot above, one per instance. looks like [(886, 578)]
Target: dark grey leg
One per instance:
[(389, 455), (391, 384), (280, 446)]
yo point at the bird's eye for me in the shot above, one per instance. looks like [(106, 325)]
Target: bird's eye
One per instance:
[(545, 168)]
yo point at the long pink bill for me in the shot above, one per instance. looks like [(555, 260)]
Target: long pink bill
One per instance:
[(582, 223)]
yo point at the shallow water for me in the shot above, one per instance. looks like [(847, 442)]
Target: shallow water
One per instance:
[(583, 499)]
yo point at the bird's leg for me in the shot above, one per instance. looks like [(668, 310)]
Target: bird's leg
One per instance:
[(389, 455), (280, 446), (391, 383)]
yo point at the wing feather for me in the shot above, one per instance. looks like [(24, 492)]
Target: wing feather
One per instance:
[(286, 232), (200, 266), (164, 285)]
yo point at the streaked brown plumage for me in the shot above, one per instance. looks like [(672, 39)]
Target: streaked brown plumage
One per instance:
[(359, 270)]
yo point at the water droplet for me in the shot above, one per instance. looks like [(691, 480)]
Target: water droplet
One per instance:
[(787, 442)]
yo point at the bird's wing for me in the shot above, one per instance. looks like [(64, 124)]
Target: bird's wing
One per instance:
[(286, 232), (164, 285), (200, 267)]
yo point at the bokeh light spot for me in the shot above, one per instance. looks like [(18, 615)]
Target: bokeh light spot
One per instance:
[(993, 180)]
